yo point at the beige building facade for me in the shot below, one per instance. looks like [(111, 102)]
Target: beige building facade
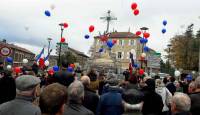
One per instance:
[(126, 42)]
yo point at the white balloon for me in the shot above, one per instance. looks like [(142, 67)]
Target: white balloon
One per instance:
[(38, 63), (25, 61), (177, 73), (46, 63), (9, 67), (134, 53), (143, 55), (52, 7)]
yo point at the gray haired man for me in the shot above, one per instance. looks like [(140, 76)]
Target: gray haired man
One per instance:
[(75, 98), (181, 104), (26, 93)]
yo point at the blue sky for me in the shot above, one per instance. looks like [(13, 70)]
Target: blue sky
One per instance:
[(16, 15)]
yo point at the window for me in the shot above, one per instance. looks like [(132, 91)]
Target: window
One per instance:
[(132, 42), (119, 55), (98, 42), (121, 42)]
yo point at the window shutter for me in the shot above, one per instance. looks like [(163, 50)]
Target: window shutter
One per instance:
[(129, 42), (127, 55), (122, 55)]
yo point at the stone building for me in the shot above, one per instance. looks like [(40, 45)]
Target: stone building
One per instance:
[(118, 56), (17, 53), (81, 58)]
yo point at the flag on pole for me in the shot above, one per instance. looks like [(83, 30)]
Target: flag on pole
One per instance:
[(47, 57), (40, 55)]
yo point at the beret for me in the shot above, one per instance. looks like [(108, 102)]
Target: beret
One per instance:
[(26, 82)]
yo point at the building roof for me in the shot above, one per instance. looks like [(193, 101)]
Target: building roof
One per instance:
[(16, 47), (78, 52), (120, 35)]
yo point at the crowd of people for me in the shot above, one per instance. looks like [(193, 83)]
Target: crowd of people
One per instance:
[(63, 93)]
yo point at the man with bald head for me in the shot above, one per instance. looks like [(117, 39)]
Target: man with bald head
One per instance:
[(181, 104), (75, 100), (90, 98)]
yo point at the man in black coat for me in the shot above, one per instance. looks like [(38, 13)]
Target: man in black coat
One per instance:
[(7, 87), (63, 76), (152, 102), (90, 97), (75, 100), (195, 98), (170, 86)]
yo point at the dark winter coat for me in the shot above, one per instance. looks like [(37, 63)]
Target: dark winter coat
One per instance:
[(90, 100), (195, 103), (152, 102), (110, 103), (63, 77), (76, 109), (185, 113), (19, 106), (171, 87), (7, 88)]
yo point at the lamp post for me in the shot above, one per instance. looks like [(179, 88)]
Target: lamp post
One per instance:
[(59, 54), (169, 46), (143, 30), (49, 41)]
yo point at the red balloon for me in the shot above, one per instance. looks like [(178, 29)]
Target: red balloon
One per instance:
[(146, 35), (133, 6), (114, 41), (17, 69), (62, 40), (138, 33), (41, 62), (65, 25), (136, 12), (91, 28), (141, 71), (104, 38), (72, 65), (51, 72)]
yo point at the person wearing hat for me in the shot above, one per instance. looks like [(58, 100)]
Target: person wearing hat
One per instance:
[(26, 93), (110, 103)]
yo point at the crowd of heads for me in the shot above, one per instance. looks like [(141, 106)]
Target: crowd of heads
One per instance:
[(56, 91)]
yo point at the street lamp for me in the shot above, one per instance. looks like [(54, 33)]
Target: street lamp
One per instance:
[(49, 41), (59, 54), (169, 46)]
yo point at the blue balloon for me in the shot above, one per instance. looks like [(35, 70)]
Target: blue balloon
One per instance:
[(101, 50), (87, 36), (164, 30), (164, 22), (47, 13), (141, 40), (9, 60), (110, 44), (55, 68), (135, 65), (70, 69), (189, 77), (145, 40), (146, 49)]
